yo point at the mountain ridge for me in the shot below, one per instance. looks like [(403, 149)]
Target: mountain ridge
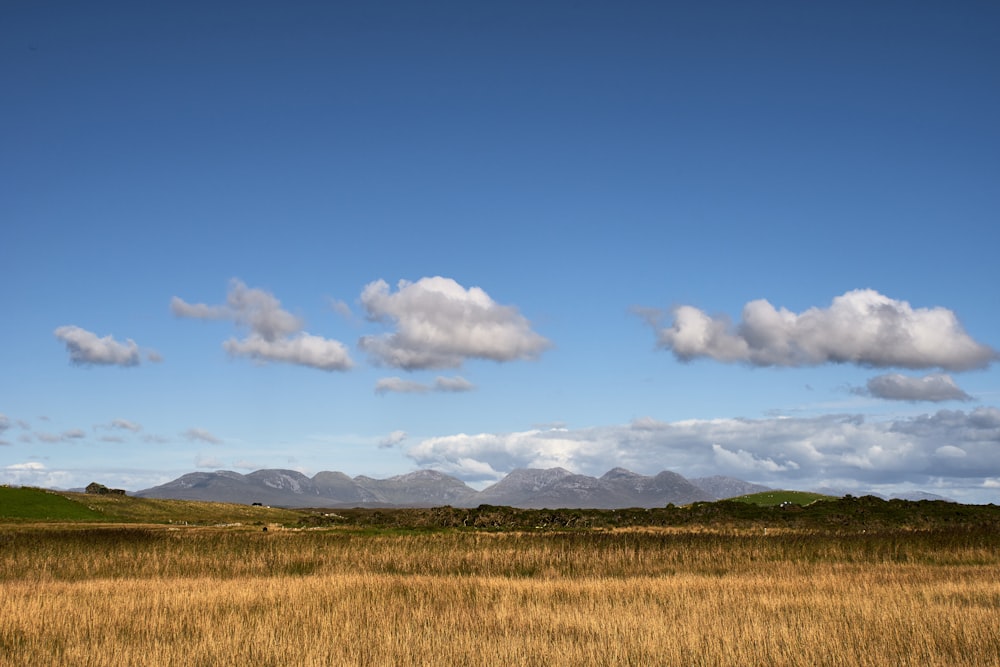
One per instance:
[(530, 488)]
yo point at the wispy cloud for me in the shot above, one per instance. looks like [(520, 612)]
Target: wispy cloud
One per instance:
[(860, 327), (394, 439), (65, 436), (119, 425), (454, 384), (275, 334), (441, 324), (202, 435)]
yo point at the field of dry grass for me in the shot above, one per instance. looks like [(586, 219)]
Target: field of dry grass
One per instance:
[(199, 596)]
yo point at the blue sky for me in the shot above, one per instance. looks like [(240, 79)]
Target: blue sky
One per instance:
[(713, 238)]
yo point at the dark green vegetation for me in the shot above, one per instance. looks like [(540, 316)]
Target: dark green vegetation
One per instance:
[(838, 514)]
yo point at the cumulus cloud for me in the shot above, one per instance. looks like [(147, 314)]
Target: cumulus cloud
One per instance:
[(4, 422), (948, 447), (202, 435), (275, 334), (441, 324), (86, 348), (453, 384), (394, 439), (860, 327), (895, 387)]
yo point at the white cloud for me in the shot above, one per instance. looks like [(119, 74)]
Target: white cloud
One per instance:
[(87, 348), (895, 387), (202, 435), (254, 308), (4, 422), (275, 333), (860, 327), (455, 384), (30, 465), (440, 324), (790, 452), (302, 349)]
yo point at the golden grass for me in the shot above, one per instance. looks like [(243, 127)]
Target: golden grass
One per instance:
[(199, 597)]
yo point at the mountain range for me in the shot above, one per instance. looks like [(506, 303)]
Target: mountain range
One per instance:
[(526, 487)]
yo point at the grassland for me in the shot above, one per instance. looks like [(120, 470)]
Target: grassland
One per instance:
[(728, 584)]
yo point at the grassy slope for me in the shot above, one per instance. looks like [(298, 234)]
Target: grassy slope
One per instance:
[(37, 504), (769, 498), (28, 504)]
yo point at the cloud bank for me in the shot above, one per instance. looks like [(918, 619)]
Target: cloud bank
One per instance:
[(860, 327), (275, 334), (440, 324), (951, 449), (895, 387), (86, 348)]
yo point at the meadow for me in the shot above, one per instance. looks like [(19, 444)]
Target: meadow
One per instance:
[(106, 594)]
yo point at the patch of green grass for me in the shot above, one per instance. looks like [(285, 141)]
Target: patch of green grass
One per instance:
[(32, 504), (771, 498)]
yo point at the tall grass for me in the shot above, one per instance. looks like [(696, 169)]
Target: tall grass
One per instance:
[(214, 597)]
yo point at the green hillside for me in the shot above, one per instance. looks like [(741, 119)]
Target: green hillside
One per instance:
[(29, 504), (771, 498)]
